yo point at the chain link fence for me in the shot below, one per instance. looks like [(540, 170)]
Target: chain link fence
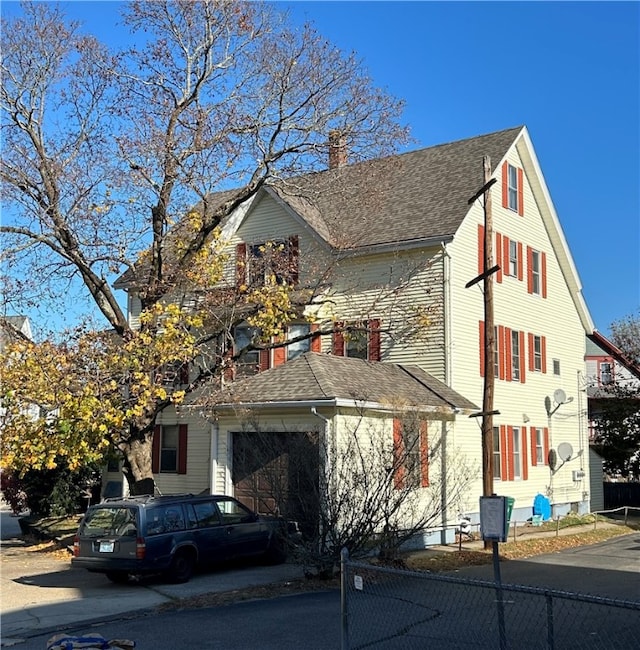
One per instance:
[(389, 608)]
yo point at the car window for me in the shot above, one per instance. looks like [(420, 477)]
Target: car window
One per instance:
[(165, 519), (109, 521), (206, 514), (233, 512)]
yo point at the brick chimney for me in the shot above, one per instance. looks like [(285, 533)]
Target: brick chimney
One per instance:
[(337, 149)]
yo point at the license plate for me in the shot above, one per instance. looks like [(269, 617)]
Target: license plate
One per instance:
[(106, 547)]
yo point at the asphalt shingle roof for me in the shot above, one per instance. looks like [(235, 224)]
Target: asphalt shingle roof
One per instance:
[(319, 377)]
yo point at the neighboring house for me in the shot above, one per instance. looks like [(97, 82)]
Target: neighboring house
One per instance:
[(610, 376), (404, 242), (15, 328)]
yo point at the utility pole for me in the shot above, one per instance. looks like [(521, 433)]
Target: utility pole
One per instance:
[(489, 342)]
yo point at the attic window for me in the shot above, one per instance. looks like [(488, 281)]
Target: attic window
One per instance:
[(270, 262), (513, 188)]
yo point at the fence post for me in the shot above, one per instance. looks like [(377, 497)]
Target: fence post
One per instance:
[(626, 514), (344, 557), (550, 639)]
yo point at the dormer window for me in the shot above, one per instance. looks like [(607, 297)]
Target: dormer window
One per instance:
[(606, 373)]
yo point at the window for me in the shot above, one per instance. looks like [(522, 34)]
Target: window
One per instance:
[(538, 353), (410, 454), (169, 452), (606, 373), (556, 366), (512, 188), (536, 272), (360, 340), (249, 362), (497, 456), (538, 444), (271, 262), (299, 347), (515, 355), (513, 258), (169, 449), (516, 455)]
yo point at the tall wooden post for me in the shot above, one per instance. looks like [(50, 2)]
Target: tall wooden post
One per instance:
[(489, 339)]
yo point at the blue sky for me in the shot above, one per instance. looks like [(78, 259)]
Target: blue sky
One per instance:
[(569, 71)]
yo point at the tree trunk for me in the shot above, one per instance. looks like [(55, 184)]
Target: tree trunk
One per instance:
[(137, 466)]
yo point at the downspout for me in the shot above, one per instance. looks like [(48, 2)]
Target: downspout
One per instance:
[(446, 288), (448, 378), (213, 455)]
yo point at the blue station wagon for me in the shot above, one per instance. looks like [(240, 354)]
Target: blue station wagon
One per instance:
[(171, 535)]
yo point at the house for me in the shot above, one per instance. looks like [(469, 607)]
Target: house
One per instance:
[(402, 242), (612, 386)]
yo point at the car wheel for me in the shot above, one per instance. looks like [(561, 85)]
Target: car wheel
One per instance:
[(119, 577), (181, 568)]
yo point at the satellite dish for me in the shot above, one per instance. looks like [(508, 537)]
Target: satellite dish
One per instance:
[(559, 396), (552, 459), (565, 451)]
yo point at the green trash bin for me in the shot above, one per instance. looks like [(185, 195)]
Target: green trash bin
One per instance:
[(510, 502)]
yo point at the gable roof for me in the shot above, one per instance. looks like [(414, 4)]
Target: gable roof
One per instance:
[(321, 378), (407, 198)]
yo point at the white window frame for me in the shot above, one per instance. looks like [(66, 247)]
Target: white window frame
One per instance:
[(299, 347), (537, 353), (516, 453), (169, 431), (605, 372), (513, 258), (539, 434), (512, 187), (515, 356), (497, 456), (536, 276)]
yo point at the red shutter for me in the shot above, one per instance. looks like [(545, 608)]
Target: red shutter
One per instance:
[(525, 454), (520, 192), (508, 354), (529, 269), (531, 352), (482, 350), (264, 359), (534, 451), (294, 257), (543, 273), (155, 449), (424, 454), (480, 249), (241, 265), (520, 262), (182, 449), (503, 452), (543, 347), (398, 454), (338, 341), (374, 340), (498, 256), (184, 373), (545, 451), (505, 185), (505, 255), (316, 342), (500, 344), (522, 357), (510, 467)]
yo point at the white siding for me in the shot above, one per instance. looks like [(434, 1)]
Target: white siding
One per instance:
[(555, 318)]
